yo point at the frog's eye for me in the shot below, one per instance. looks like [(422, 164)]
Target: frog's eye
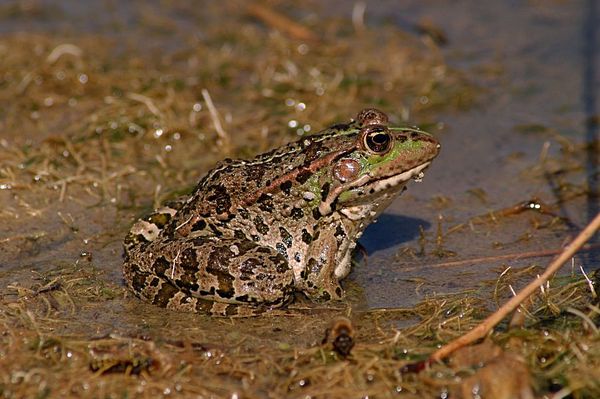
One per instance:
[(376, 139)]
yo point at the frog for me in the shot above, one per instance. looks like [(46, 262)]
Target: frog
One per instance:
[(256, 233)]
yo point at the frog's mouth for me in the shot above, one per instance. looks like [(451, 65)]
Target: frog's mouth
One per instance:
[(397, 180)]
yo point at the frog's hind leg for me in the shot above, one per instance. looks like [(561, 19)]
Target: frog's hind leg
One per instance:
[(196, 274), (161, 292)]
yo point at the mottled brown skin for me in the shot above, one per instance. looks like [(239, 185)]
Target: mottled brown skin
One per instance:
[(254, 232)]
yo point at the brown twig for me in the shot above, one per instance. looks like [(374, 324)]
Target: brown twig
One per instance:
[(281, 22), (513, 256), (482, 329), (532, 204)]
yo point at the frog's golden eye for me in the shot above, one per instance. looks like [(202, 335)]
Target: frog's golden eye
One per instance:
[(376, 139)]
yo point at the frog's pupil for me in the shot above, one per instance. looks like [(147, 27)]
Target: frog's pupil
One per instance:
[(378, 141), (380, 138)]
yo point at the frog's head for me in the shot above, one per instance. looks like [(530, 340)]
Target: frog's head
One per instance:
[(366, 164)]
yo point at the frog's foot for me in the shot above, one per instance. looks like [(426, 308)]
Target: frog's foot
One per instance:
[(328, 292)]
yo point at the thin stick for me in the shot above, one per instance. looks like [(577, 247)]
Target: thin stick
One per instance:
[(513, 256), (281, 22), (482, 329), (216, 120)]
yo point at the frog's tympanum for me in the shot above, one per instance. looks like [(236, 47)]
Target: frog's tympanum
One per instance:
[(254, 232)]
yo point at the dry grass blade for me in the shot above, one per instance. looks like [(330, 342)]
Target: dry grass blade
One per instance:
[(214, 115), (482, 329), (146, 101)]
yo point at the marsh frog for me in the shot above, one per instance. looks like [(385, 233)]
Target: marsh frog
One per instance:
[(254, 232)]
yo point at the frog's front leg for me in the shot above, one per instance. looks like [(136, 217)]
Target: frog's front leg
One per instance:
[(319, 281), (177, 273)]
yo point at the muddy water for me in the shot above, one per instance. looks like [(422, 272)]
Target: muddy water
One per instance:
[(533, 64)]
